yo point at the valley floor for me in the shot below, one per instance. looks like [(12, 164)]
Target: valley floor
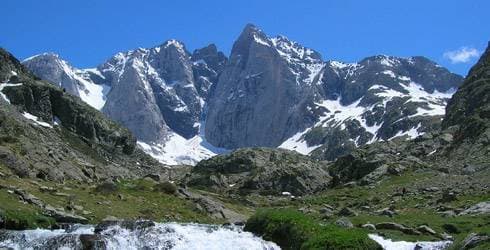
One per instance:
[(417, 201)]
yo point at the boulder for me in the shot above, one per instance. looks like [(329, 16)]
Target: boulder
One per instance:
[(92, 241), (398, 227), (473, 240), (386, 212), (64, 217), (426, 230), (106, 188), (369, 226), (344, 222), (480, 208), (347, 212)]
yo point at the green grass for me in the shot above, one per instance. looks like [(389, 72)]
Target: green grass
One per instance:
[(139, 201), (21, 219), (17, 215), (291, 229)]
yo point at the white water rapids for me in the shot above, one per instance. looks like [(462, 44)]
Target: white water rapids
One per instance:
[(173, 236), (161, 236)]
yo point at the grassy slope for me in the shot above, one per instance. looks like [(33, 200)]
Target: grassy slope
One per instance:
[(139, 201)]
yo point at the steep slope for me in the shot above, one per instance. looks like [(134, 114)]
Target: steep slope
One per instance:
[(470, 106), (52, 135), (468, 117)]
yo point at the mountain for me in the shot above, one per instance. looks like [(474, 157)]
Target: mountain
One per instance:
[(275, 92), (158, 93), (270, 92), (82, 83), (52, 135)]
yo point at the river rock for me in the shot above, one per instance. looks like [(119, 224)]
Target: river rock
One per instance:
[(92, 241), (344, 222)]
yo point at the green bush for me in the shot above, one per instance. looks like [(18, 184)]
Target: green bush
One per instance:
[(21, 220), (165, 187), (106, 188), (291, 229)]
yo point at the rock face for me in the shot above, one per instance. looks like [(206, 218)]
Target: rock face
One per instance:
[(270, 92), (268, 171), (468, 115), (60, 136), (261, 94)]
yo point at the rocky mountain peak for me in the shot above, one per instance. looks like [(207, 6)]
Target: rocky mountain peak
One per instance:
[(210, 56)]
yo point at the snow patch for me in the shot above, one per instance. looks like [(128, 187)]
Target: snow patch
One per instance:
[(298, 144), (260, 40), (389, 73), (412, 133), (178, 150), (36, 120)]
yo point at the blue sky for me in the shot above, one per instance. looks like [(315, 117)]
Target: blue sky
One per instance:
[(87, 32)]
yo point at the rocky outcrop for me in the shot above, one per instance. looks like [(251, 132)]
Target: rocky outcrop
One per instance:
[(212, 207), (480, 208), (266, 171)]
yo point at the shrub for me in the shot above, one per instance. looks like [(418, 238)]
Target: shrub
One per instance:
[(106, 188), (166, 187)]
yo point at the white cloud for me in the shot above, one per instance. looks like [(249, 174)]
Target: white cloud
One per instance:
[(462, 55)]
